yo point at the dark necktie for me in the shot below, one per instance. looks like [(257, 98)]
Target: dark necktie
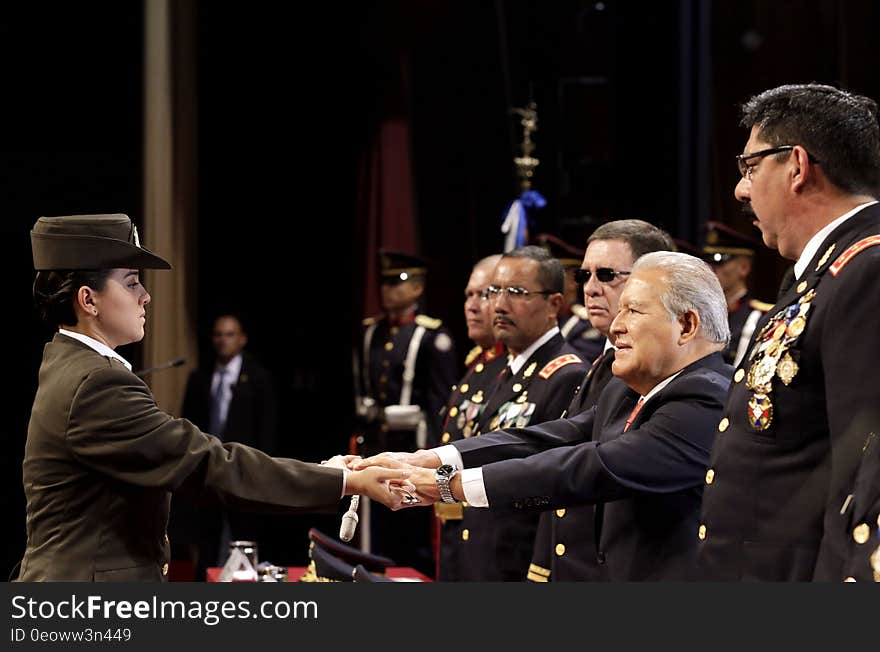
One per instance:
[(593, 384)]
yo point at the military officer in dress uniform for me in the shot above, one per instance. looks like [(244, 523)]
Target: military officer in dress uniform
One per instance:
[(785, 496), (467, 400), (536, 384), (574, 322), (730, 254), (565, 544), (408, 364)]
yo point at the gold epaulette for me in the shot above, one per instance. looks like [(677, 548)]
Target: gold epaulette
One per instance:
[(754, 304), (580, 311), (557, 363), (473, 355), (850, 253), (428, 322), (369, 321)]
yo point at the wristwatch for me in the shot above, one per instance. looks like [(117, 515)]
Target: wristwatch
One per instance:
[(443, 475)]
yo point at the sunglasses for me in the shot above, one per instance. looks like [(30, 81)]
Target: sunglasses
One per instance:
[(603, 275)]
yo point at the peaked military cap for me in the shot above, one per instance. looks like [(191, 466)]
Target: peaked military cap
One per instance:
[(565, 253), (362, 575), (723, 243), (349, 554), (401, 265), (90, 242), (328, 568)]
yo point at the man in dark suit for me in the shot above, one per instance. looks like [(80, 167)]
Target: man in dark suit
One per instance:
[(234, 399), (565, 544), (651, 431), (780, 499), (730, 254), (537, 383)]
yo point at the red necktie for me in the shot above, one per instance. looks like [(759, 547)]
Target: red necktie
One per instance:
[(632, 415)]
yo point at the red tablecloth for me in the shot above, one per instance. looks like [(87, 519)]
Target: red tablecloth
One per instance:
[(402, 573)]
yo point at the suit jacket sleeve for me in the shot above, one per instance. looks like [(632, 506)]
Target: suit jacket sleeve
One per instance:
[(667, 451), (116, 428)]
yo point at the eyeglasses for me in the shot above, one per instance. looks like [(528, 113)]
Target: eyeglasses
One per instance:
[(603, 275), (513, 293), (482, 295), (746, 169)]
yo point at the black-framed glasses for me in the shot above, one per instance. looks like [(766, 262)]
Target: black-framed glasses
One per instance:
[(603, 275), (746, 168), (513, 293)]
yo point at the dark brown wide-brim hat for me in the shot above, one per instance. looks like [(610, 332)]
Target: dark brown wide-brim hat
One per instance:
[(90, 242)]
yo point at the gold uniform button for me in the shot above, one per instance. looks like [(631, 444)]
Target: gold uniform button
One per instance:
[(710, 476), (861, 533), (394, 330), (453, 411), (738, 376), (383, 379), (454, 387), (850, 579), (446, 437), (465, 534), (387, 363), (724, 424), (702, 533), (802, 286), (517, 388), (560, 513), (465, 387), (389, 346), (165, 568), (560, 549), (479, 367)]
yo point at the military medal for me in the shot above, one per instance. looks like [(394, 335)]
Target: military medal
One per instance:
[(760, 411), (460, 421), (761, 374), (468, 430), (523, 397), (787, 369), (478, 397), (796, 326)]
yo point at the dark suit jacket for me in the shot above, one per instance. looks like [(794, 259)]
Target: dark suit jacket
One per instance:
[(499, 547), (252, 416), (778, 508), (101, 461), (650, 478)]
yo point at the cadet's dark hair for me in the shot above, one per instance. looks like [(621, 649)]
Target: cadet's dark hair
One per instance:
[(642, 237), (838, 128), (551, 275), (55, 292)]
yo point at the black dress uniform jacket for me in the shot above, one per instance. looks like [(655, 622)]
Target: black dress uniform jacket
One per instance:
[(565, 544), (648, 480), (580, 334), (496, 547), (788, 452), (461, 418), (101, 460), (436, 369)]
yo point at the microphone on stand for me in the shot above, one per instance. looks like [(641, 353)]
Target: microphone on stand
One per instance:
[(349, 520), (177, 362)]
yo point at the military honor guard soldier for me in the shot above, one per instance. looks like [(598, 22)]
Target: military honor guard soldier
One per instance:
[(536, 384), (731, 254), (408, 364)]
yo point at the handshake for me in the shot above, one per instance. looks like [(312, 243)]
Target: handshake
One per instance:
[(397, 480)]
